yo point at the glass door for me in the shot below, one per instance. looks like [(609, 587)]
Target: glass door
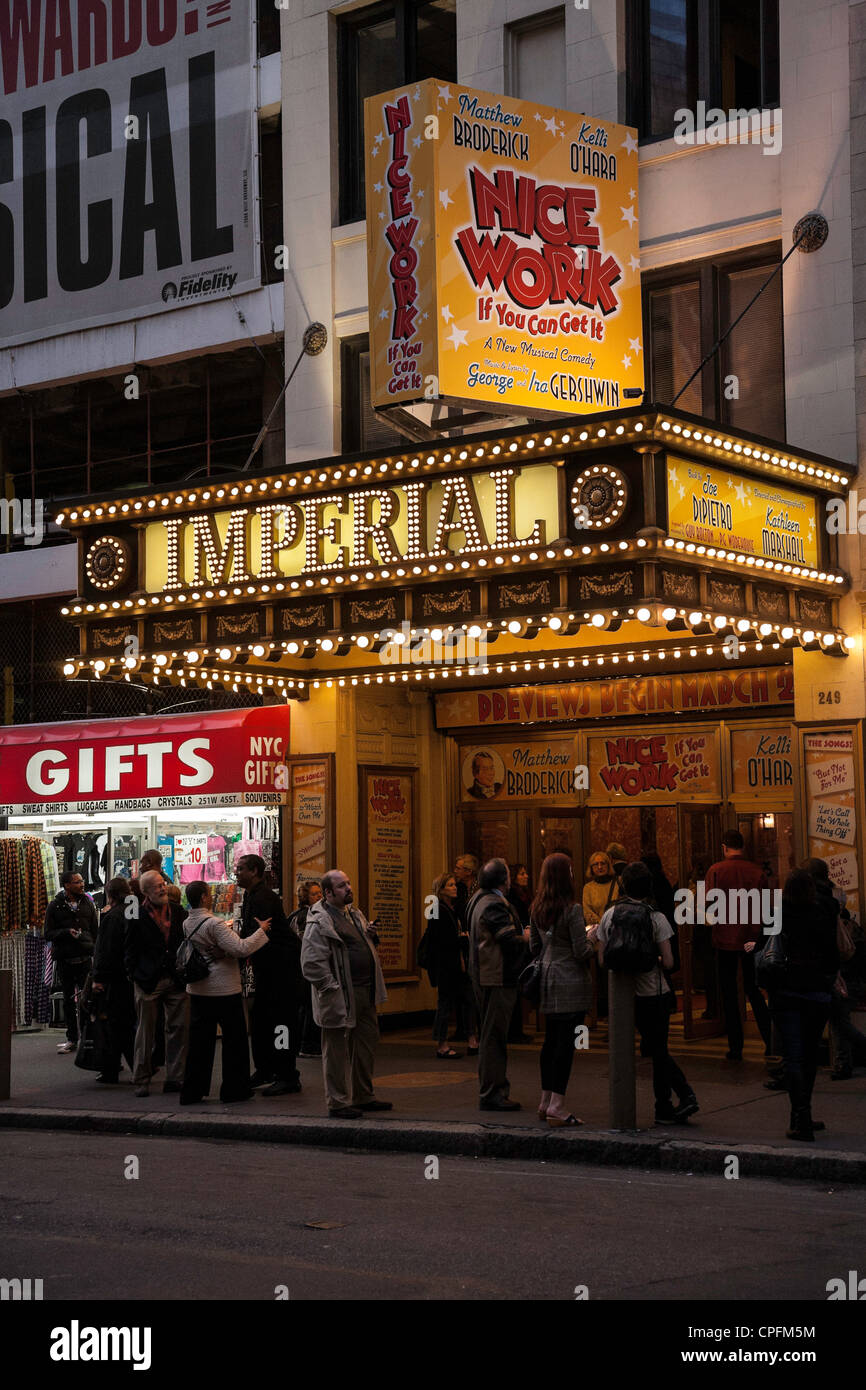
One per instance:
[(700, 846), (769, 837)]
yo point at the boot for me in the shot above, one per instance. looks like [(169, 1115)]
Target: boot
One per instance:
[(801, 1125)]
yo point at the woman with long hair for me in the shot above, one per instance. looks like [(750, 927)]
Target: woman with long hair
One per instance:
[(800, 1000), (449, 949), (520, 893), (558, 935)]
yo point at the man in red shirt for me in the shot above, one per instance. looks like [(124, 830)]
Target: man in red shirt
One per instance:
[(735, 936)]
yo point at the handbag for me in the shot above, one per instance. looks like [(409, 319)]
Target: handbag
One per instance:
[(94, 1040), (771, 962), (529, 979)]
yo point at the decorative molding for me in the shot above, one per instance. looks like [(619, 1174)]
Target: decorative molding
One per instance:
[(108, 636), (518, 595), (598, 497), (184, 629), (816, 610), (314, 615), (371, 746), (373, 610), (455, 601), (725, 595), (676, 585), (245, 625), (771, 603), (591, 586)]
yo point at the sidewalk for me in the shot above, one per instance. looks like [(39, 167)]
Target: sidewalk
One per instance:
[(436, 1111)]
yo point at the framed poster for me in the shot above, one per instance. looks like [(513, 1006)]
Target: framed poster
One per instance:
[(830, 757), (388, 863), (310, 820)]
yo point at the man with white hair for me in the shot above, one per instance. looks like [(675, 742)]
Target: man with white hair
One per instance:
[(152, 939), (339, 958)]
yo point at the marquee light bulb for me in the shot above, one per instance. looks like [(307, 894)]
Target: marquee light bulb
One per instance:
[(643, 615), (597, 620)]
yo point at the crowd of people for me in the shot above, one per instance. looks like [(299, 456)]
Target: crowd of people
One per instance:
[(490, 928), (489, 941)]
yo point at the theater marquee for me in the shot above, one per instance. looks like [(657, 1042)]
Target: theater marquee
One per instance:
[(503, 258)]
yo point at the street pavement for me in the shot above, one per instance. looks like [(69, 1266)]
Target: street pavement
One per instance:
[(217, 1220), (736, 1109)]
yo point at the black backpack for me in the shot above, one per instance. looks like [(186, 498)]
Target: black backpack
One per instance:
[(630, 948), (191, 965)]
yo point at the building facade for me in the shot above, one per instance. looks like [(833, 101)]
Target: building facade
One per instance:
[(484, 675)]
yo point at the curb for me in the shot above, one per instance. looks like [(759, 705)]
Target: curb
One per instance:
[(604, 1147)]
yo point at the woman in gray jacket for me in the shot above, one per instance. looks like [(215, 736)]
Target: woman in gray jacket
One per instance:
[(217, 1000), (558, 933)]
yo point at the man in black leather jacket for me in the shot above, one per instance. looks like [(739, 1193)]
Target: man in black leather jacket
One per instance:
[(70, 927)]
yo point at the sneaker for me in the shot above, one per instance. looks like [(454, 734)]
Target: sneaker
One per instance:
[(667, 1117), (257, 1079), (282, 1088), (109, 1080), (374, 1105), (142, 1091), (346, 1112), (686, 1107), (66, 1046)]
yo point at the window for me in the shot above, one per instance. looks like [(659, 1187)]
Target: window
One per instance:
[(194, 418), (379, 49), (362, 430), (270, 144), (686, 311), (683, 51), (535, 55), (268, 26)]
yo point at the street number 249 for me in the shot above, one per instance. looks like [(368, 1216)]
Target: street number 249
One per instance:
[(829, 697)]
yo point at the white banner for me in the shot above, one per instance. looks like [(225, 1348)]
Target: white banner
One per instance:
[(127, 177)]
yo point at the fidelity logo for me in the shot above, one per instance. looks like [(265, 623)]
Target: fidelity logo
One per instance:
[(77, 1343), (192, 286)]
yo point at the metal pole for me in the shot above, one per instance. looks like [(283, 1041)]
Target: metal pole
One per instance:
[(620, 1026), (5, 1033)]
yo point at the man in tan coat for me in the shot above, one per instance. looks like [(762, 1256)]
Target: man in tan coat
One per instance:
[(339, 958)]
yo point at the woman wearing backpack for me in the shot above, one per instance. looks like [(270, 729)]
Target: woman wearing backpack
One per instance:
[(217, 1000), (558, 934), (630, 936)]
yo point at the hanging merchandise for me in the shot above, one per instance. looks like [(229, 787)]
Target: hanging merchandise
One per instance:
[(28, 881), (12, 958), (38, 975), (165, 845)]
